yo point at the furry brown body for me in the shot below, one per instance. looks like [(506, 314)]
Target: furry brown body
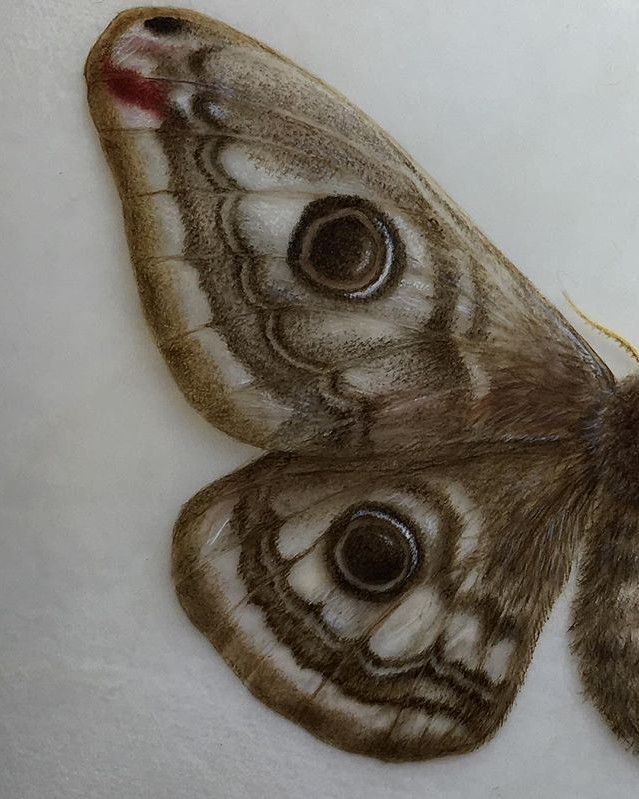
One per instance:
[(442, 440), (613, 436)]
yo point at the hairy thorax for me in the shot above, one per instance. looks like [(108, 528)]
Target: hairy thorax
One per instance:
[(614, 437)]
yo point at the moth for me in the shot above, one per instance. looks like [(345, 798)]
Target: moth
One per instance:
[(441, 443)]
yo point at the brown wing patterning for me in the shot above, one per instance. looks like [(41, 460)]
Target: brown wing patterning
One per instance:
[(308, 285), (391, 615), (440, 434)]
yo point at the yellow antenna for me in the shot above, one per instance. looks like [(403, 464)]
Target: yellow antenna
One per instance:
[(620, 340)]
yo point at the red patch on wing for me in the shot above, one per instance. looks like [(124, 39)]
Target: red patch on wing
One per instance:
[(134, 89)]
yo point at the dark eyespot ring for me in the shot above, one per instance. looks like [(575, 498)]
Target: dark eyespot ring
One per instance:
[(344, 246), (164, 26), (373, 551)]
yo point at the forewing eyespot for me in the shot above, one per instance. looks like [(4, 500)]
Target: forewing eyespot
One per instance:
[(344, 246)]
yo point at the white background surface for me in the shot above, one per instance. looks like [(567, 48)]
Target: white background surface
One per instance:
[(528, 113)]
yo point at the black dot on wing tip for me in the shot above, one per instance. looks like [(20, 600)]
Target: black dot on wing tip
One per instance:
[(164, 26)]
